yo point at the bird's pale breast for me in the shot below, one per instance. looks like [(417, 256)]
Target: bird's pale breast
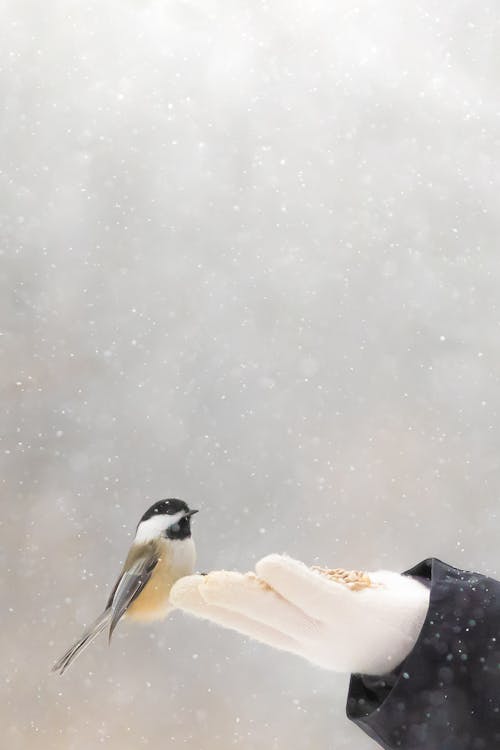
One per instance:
[(177, 560)]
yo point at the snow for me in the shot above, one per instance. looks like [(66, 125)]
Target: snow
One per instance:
[(249, 259)]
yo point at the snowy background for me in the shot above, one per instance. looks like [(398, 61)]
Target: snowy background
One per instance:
[(249, 259)]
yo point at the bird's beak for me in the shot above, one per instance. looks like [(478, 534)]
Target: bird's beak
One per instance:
[(190, 513)]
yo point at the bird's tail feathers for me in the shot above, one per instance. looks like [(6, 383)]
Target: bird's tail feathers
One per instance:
[(85, 639)]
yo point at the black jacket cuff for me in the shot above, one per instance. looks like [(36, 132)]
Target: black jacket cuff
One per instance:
[(446, 693)]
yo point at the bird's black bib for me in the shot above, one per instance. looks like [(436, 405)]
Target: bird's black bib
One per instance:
[(446, 693)]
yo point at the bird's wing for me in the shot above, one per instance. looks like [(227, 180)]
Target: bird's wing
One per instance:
[(129, 586)]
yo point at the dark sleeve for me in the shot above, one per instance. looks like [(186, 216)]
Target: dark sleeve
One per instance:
[(446, 693)]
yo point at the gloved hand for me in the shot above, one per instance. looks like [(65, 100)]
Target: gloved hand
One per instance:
[(339, 620)]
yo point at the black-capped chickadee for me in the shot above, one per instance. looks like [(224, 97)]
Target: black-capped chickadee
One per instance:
[(161, 553)]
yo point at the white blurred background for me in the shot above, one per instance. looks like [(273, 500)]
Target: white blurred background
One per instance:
[(250, 260)]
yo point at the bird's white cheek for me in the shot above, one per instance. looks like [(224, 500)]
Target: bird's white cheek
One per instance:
[(156, 526)]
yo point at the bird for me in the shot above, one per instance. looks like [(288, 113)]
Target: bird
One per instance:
[(162, 552)]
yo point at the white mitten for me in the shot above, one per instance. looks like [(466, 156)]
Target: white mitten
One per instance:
[(346, 621)]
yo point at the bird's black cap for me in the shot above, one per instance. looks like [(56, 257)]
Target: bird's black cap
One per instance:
[(167, 507)]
